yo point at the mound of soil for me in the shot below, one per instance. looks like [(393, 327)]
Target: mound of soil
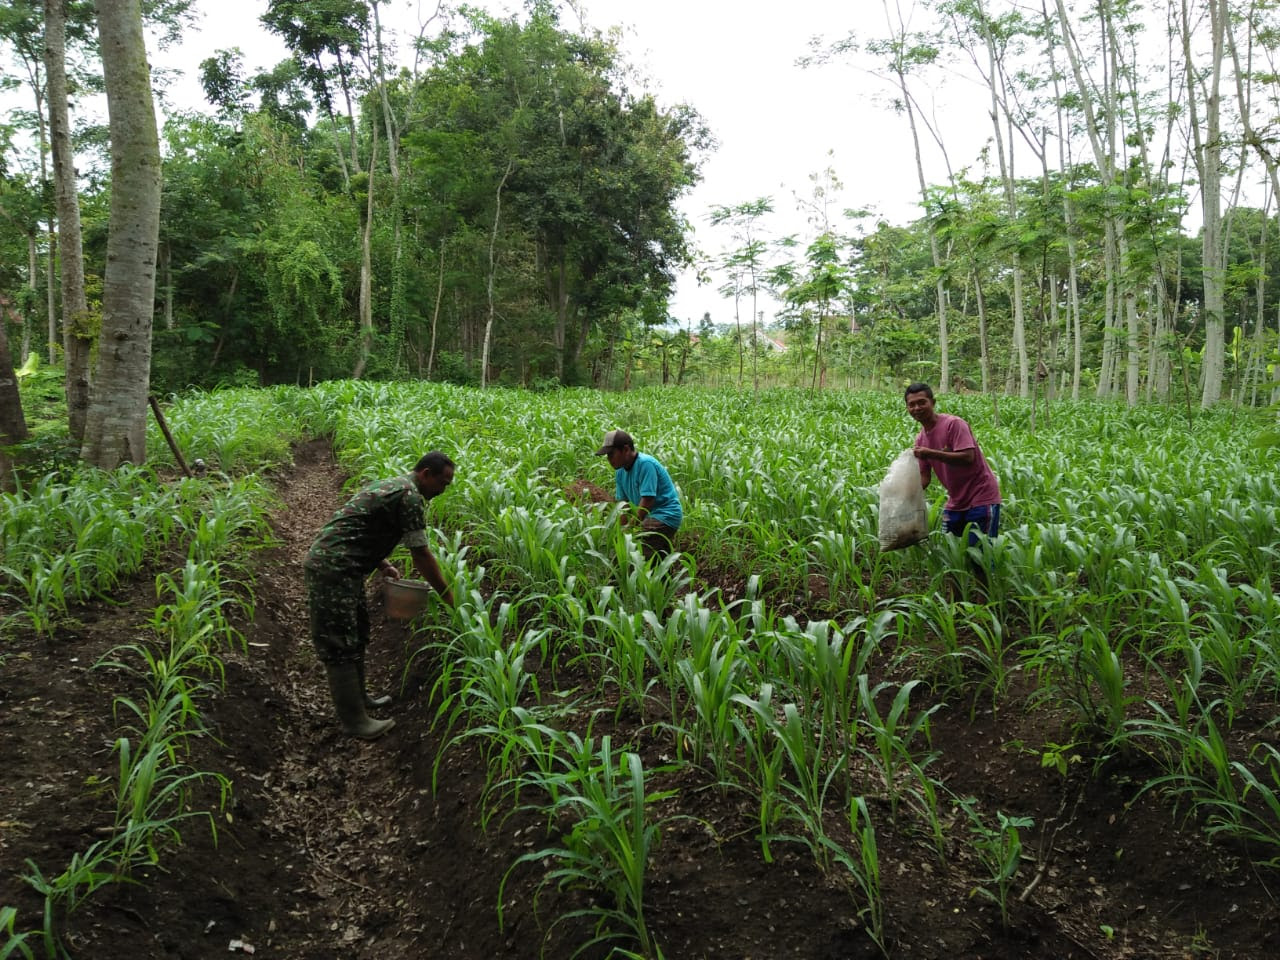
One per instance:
[(584, 491), (332, 847)]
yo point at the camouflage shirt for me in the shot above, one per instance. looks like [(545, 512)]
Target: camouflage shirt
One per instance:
[(361, 534)]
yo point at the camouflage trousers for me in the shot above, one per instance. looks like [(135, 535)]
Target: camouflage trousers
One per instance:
[(339, 617)]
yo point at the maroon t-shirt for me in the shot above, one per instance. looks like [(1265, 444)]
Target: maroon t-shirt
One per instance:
[(968, 485)]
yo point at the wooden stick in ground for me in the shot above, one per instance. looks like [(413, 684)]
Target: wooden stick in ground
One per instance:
[(164, 428)]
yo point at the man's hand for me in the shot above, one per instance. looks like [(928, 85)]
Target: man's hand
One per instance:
[(961, 457), (389, 570)]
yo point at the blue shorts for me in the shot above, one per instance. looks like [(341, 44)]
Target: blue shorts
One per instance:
[(980, 521)]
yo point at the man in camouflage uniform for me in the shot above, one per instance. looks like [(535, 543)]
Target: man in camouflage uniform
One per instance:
[(355, 542)]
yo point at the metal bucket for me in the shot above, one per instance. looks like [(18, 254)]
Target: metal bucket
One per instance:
[(405, 599)]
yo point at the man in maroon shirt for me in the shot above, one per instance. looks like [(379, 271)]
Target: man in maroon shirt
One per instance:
[(945, 446)]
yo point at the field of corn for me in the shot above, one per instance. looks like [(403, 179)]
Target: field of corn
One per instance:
[(943, 761)]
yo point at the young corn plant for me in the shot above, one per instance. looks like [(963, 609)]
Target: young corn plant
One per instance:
[(1111, 549), (764, 755), (45, 588), (174, 682), (1100, 683), (827, 662), (990, 653), (625, 651), (1229, 655), (924, 801), (476, 647), (1258, 606), (606, 848), (892, 735), (1049, 604), (688, 630), (531, 742), (999, 848), (822, 662), (166, 714), (804, 793), (153, 800), (950, 565), (1182, 689), (198, 603), (941, 662), (710, 689), (836, 553), (497, 681), (1203, 774), (1079, 670), (865, 872), (532, 547), (639, 584), (572, 632), (12, 943), (1259, 820), (862, 867), (88, 872)]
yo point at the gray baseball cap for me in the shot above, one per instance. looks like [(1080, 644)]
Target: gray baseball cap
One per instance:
[(614, 439)]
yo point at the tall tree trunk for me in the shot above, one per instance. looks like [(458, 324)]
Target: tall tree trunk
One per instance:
[(997, 89), (1076, 329), (1133, 350), (493, 269), (396, 308), (77, 331), (33, 271), (737, 327), (1262, 146), (115, 429), (435, 314), (13, 426), (558, 280), (1102, 139), (580, 343), (365, 340), (1257, 365), (940, 283), (984, 354), (51, 252), (166, 283), (1207, 149), (51, 287)]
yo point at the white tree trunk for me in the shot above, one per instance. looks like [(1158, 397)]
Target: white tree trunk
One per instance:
[(1102, 139), (365, 338), (493, 269), (1207, 149), (77, 333), (940, 284), (115, 429)]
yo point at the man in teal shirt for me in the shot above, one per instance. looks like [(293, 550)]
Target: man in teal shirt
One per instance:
[(643, 482)]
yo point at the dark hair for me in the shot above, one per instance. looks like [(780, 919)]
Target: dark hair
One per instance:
[(918, 387), (434, 463)]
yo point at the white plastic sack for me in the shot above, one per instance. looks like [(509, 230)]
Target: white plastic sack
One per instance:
[(904, 519)]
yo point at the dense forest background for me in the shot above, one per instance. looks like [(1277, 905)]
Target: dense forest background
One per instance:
[(498, 202)]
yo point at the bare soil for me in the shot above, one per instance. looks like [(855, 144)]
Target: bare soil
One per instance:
[(336, 848)]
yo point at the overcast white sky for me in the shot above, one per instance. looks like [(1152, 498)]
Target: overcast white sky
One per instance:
[(734, 61)]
